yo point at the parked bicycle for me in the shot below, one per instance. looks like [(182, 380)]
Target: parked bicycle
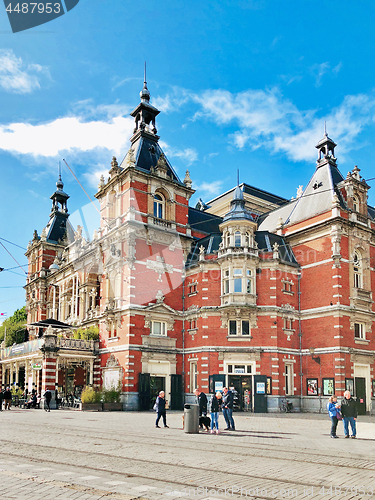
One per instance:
[(285, 406)]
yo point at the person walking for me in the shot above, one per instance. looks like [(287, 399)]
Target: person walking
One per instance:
[(1, 400), (333, 409), (215, 408), (349, 414), (48, 397), (160, 409), (227, 407), (7, 398)]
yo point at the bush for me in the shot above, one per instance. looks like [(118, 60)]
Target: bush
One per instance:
[(90, 395), (91, 333), (112, 395)]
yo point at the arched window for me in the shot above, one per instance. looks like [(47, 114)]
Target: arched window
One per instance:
[(159, 206), (357, 267), (355, 204), (237, 239)]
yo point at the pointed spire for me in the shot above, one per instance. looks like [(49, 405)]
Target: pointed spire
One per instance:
[(145, 93)]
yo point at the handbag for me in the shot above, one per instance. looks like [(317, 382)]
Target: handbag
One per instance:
[(338, 415)]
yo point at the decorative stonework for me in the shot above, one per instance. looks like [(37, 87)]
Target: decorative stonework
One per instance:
[(159, 266)]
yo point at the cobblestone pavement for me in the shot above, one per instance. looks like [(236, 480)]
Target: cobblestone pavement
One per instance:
[(93, 455)]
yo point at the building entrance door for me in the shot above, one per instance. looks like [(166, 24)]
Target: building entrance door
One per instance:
[(157, 384), (242, 391), (360, 393)]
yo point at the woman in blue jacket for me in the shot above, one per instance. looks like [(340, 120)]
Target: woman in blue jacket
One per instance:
[(333, 410)]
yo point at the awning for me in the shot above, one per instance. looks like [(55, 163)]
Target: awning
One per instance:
[(51, 322)]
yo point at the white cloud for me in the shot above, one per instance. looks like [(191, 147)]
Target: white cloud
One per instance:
[(265, 118), (209, 188), (66, 135), (189, 155), (18, 77), (319, 70)]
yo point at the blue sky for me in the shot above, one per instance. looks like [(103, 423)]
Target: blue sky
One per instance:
[(240, 83)]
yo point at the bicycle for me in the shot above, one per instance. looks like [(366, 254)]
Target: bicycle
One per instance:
[(285, 406)]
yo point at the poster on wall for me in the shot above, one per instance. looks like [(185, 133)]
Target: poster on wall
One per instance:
[(349, 385), (328, 387), (269, 385), (261, 388), (312, 386), (218, 386)]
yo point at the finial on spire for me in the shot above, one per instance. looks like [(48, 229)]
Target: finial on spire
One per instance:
[(238, 176), (145, 93), (325, 127), (59, 183)]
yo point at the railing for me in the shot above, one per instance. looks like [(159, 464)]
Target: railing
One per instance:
[(161, 222), (79, 344)]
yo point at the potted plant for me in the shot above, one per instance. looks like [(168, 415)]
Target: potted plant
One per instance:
[(91, 399), (111, 398)]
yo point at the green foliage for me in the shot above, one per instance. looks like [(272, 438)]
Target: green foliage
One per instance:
[(17, 392), (112, 395), (90, 333), (15, 328), (90, 395)]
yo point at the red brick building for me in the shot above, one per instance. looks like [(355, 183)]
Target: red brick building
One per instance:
[(250, 290)]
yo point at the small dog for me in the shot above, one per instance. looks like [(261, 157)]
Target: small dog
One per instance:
[(205, 422)]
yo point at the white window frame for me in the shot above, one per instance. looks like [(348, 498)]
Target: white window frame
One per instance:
[(159, 206), (237, 279), (239, 328), (193, 375), (226, 282), (289, 379), (358, 270), (163, 328), (360, 328)]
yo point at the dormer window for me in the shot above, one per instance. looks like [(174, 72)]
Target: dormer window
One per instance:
[(159, 206)]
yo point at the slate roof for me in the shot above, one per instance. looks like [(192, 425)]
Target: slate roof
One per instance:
[(264, 239), (203, 221), (56, 228), (315, 199), (256, 192)]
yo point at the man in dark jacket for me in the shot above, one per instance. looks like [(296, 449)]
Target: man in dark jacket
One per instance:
[(48, 397), (202, 401), (160, 409), (227, 407), (7, 398), (349, 414)]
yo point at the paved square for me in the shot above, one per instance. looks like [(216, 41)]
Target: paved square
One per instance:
[(122, 455)]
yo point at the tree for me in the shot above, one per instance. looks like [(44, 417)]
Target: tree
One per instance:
[(15, 328)]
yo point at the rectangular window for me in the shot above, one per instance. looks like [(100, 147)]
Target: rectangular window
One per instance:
[(245, 328), (158, 328), (232, 327), (237, 275), (226, 282), (288, 324), (288, 380), (359, 331), (193, 375), (248, 281)]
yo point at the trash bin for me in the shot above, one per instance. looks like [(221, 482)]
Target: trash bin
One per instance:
[(191, 418)]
